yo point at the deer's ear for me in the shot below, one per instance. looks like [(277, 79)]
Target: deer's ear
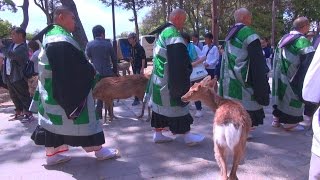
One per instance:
[(198, 85), (206, 81), (214, 81)]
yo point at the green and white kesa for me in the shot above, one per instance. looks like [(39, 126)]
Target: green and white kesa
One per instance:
[(285, 64), (162, 103), (234, 68), (52, 117)]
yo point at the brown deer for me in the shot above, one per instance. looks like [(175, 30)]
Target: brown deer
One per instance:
[(231, 124), (123, 87)]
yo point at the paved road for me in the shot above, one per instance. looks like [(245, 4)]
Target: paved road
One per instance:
[(271, 154)]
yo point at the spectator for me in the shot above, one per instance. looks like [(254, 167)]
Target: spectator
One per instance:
[(2, 84), (211, 54), (15, 60), (311, 94), (288, 74), (195, 59), (33, 81), (218, 66), (316, 39), (100, 52), (243, 68), (267, 51), (196, 42), (138, 56), (170, 81), (66, 106), (310, 35)]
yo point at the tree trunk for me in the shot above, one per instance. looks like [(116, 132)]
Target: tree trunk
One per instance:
[(164, 9), (215, 29), (44, 6), (135, 18), (169, 9), (25, 8), (181, 4), (79, 34)]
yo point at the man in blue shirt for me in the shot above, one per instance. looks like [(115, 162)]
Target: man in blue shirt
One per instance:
[(101, 54)]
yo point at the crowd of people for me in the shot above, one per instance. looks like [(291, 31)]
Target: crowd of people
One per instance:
[(242, 65)]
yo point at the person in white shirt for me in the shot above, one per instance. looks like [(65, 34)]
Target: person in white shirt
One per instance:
[(311, 94), (210, 51)]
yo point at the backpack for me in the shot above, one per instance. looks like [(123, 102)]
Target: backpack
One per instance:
[(28, 70)]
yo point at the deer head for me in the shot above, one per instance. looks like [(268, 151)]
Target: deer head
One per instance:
[(203, 91)]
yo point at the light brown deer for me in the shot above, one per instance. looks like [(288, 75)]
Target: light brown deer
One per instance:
[(231, 124), (123, 87)]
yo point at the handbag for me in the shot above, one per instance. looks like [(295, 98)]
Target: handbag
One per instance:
[(198, 72), (28, 70)]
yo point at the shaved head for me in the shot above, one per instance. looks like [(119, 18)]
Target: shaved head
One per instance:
[(60, 10), (64, 17), (300, 22), (243, 15), (178, 17), (177, 12)]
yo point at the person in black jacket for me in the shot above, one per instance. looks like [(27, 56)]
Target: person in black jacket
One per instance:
[(138, 56), (16, 57)]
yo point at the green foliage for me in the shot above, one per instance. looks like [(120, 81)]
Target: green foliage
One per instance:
[(308, 8), (123, 35), (5, 28), (8, 5), (199, 16), (29, 36), (128, 4)]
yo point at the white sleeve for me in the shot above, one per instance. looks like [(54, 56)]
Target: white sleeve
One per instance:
[(204, 51), (198, 50), (311, 84)]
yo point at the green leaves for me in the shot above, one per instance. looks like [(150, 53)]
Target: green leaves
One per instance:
[(5, 28), (8, 5)]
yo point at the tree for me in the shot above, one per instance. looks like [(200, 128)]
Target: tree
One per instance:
[(123, 35), (134, 5), (25, 9), (310, 9), (47, 7), (79, 33), (8, 5), (5, 28)]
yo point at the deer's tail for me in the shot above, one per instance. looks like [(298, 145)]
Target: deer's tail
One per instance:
[(227, 135)]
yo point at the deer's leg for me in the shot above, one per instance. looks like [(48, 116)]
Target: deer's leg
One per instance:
[(142, 111), (220, 155), (149, 114), (237, 156), (109, 109), (105, 112)]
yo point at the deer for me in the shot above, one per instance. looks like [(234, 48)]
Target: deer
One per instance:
[(124, 66), (231, 124), (122, 87)]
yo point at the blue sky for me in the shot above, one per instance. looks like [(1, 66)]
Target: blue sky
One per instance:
[(91, 12)]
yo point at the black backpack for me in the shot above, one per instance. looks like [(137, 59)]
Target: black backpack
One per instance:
[(28, 70)]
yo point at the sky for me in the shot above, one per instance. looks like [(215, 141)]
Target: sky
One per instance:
[(91, 12)]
